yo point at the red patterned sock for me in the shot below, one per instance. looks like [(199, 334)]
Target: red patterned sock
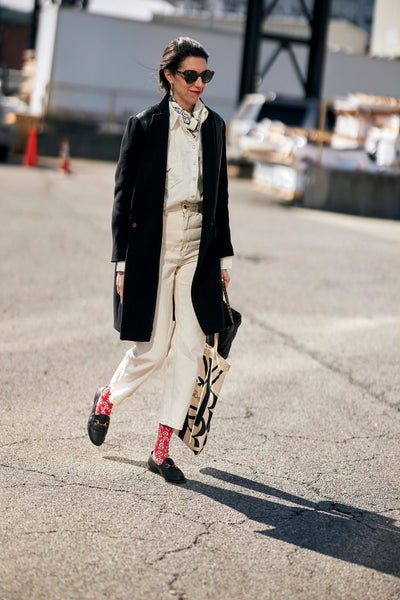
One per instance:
[(104, 406), (162, 445)]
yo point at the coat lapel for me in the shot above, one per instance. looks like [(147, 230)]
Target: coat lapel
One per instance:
[(210, 168), (157, 147)]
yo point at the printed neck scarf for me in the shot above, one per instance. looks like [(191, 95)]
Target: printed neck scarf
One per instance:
[(192, 122)]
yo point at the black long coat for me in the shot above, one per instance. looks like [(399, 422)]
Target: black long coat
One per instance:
[(137, 222)]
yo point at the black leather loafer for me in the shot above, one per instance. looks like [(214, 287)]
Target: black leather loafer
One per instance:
[(167, 469), (97, 424)]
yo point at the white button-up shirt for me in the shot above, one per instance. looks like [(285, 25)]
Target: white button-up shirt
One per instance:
[(184, 177)]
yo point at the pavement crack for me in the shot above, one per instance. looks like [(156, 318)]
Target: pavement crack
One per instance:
[(291, 555), (36, 440), (41, 532), (346, 512), (353, 438), (15, 443), (64, 483), (318, 358), (34, 471), (187, 546), (172, 588)]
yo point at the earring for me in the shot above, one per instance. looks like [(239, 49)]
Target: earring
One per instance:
[(172, 88)]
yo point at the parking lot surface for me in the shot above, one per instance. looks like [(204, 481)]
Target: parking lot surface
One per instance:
[(296, 495)]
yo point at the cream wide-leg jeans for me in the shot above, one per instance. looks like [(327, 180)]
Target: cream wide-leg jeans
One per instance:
[(179, 344)]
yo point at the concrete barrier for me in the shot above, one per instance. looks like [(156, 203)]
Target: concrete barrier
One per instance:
[(358, 192)]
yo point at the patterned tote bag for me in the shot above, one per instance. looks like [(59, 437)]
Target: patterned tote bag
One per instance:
[(205, 395)]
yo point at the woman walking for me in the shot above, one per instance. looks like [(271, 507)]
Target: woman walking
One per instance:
[(171, 246)]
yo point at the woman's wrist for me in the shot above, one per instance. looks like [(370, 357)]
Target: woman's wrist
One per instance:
[(226, 262)]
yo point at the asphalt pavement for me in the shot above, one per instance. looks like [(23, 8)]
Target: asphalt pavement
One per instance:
[(296, 495)]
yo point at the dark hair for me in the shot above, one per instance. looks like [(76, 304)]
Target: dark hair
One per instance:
[(175, 53)]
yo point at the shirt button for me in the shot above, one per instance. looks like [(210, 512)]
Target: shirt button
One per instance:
[(134, 225)]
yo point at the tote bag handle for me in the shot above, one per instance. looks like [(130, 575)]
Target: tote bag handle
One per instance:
[(228, 305)]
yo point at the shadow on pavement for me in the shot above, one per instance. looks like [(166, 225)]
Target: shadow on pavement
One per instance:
[(336, 530), (333, 529)]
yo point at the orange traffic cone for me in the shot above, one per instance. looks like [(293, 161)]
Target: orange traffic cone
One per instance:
[(30, 156), (65, 164)]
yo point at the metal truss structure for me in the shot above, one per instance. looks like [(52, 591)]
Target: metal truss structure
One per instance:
[(252, 74)]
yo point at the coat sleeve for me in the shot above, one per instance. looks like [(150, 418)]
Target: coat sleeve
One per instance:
[(125, 177), (222, 212)]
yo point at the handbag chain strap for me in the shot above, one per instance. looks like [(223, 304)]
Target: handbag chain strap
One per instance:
[(227, 301)]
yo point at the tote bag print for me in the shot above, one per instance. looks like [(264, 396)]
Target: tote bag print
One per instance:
[(205, 395)]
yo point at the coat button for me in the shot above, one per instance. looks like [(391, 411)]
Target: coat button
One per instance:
[(134, 225)]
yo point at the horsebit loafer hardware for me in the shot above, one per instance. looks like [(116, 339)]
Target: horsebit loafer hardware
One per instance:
[(167, 469), (101, 424)]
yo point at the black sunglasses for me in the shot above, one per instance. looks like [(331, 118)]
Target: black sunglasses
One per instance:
[(192, 76)]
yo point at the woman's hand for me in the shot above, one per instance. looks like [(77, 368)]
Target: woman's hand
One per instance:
[(225, 277), (120, 284)]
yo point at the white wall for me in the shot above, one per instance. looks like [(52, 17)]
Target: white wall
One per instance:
[(385, 38), (104, 66), (349, 73), (98, 57), (344, 73)]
